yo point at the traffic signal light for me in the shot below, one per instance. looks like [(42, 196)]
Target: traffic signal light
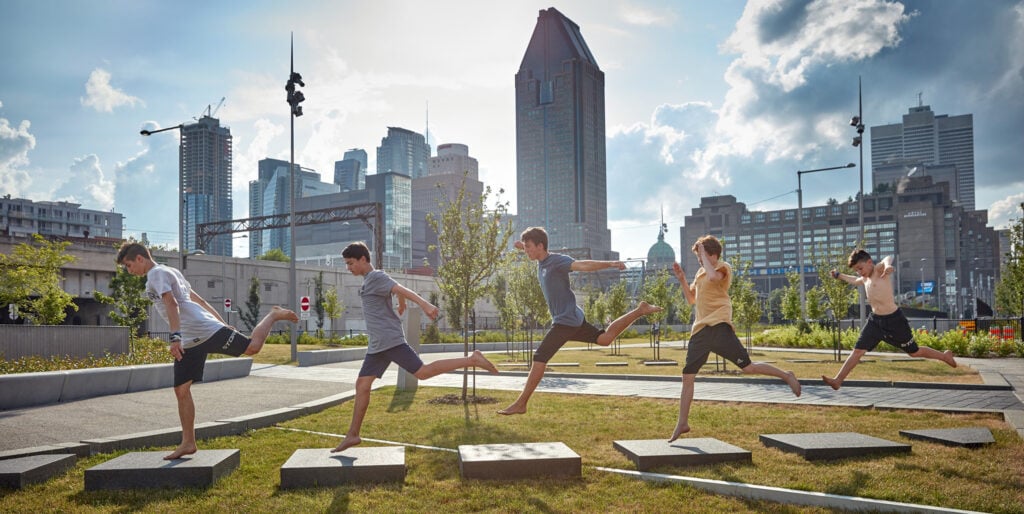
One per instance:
[(295, 97)]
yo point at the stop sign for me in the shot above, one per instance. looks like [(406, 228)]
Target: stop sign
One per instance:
[(304, 304), (227, 303)]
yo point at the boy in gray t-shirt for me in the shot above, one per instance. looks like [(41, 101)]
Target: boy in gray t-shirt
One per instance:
[(567, 321), (387, 340)]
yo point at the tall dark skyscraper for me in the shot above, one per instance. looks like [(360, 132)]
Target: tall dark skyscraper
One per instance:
[(560, 140), (205, 168)]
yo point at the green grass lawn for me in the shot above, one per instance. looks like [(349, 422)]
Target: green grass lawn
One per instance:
[(887, 367), (989, 479)]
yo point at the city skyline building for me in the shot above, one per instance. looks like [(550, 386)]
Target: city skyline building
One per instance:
[(269, 195), (933, 140), (205, 157), (21, 217), (350, 171), (403, 151), (447, 170), (942, 252), (358, 154), (561, 181)]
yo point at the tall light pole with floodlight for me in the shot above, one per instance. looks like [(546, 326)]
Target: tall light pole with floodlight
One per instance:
[(181, 194), (800, 226), (857, 122), (294, 99)]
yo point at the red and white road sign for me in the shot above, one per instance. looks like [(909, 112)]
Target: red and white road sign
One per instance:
[(304, 304), (227, 304)]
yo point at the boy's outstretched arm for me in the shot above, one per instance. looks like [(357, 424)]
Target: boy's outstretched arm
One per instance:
[(429, 309), (596, 265), (849, 279), (677, 270)]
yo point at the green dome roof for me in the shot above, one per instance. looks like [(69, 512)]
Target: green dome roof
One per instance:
[(661, 255)]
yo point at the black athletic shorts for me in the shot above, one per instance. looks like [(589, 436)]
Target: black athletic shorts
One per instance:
[(721, 339), (560, 334), (224, 341), (374, 364), (891, 328)]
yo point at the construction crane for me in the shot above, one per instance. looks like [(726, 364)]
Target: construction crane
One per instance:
[(210, 110)]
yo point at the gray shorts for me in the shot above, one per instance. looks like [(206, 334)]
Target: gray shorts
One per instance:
[(374, 364)]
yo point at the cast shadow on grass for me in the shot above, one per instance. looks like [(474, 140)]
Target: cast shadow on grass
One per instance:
[(134, 500)]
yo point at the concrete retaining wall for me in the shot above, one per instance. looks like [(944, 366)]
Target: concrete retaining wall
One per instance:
[(30, 389), (17, 341)]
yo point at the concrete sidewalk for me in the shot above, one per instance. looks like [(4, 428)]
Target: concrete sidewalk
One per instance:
[(270, 388)]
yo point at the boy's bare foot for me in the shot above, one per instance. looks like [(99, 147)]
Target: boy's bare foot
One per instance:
[(346, 443), (949, 358), (513, 409), (480, 361), (794, 384), (835, 384), (181, 451), (680, 430), (281, 314), (645, 308)]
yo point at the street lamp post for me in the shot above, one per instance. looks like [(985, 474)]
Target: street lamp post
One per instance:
[(800, 226), (181, 196), (294, 98), (857, 122)]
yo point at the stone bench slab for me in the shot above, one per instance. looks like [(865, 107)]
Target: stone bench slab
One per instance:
[(650, 453), (832, 445), (148, 470), (600, 364), (22, 471), (77, 448), (974, 437), (661, 363), (523, 460), (321, 468)]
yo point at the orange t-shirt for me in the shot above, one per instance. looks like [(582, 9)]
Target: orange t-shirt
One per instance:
[(712, 298)]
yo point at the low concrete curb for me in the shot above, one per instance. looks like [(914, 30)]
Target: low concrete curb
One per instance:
[(318, 357), (784, 496), (31, 389)]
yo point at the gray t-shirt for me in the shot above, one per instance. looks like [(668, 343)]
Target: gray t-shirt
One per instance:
[(382, 323), (553, 274)]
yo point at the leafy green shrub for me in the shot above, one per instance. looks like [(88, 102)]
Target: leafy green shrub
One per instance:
[(144, 351), (1005, 348), (981, 344), (955, 341)]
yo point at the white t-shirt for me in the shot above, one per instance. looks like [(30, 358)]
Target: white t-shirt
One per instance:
[(197, 324)]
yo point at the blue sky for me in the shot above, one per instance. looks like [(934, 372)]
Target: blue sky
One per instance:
[(702, 98)]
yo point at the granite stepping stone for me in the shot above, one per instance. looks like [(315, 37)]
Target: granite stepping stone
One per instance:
[(321, 468), (148, 470), (974, 437), (651, 453), (832, 445)]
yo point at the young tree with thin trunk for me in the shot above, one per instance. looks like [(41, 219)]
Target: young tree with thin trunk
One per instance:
[(471, 241)]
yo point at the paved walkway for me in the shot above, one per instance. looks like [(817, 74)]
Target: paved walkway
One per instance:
[(272, 387)]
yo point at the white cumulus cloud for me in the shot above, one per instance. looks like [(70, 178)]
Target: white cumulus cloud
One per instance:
[(102, 96), (15, 143), (86, 185)]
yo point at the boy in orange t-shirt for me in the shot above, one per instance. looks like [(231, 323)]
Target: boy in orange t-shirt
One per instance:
[(712, 329)]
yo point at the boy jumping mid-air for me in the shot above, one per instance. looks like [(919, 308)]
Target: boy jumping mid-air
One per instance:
[(568, 323), (886, 322), (387, 340), (712, 329)]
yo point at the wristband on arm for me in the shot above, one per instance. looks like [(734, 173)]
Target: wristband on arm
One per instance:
[(175, 337)]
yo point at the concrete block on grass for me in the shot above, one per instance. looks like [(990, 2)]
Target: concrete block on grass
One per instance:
[(89, 383), (832, 445), (237, 367), (974, 437), (22, 471), (650, 453), (149, 470), (76, 448), (321, 468), (523, 460)]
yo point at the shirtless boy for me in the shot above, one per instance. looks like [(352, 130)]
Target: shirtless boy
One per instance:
[(886, 322)]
